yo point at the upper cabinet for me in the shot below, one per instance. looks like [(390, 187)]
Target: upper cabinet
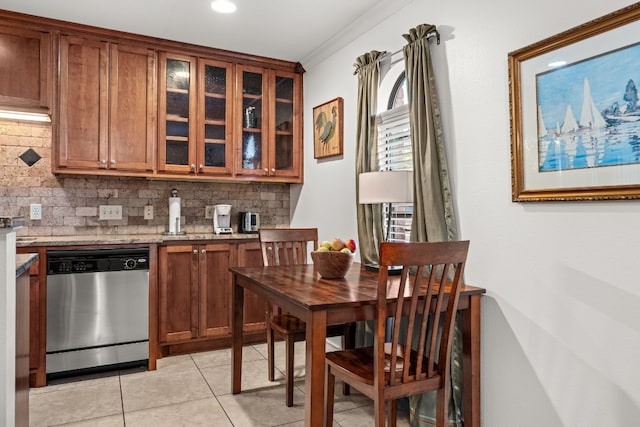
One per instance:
[(25, 68), (130, 105), (107, 107), (194, 126), (224, 120), (269, 115), (215, 108)]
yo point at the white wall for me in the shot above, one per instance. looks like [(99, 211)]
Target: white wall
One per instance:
[(561, 317)]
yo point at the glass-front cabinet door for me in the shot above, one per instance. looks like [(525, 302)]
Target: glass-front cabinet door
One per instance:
[(195, 123), (284, 156), (177, 118), (251, 114), (214, 147), (269, 116), (229, 120)]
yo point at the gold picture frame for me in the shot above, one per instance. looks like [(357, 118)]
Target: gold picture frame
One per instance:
[(328, 129), (575, 121)]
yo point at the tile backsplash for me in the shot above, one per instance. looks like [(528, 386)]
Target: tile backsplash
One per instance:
[(70, 203)]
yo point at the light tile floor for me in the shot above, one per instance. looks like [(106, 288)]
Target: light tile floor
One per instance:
[(190, 390)]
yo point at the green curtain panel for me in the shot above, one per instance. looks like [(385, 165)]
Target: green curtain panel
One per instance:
[(433, 211), (433, 208), (369, 216)]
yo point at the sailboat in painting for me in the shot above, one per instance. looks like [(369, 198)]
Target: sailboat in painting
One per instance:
[(590, 116), (569, 124), (542, 130)]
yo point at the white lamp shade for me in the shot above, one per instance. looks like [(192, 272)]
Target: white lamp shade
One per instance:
[(386, 187)]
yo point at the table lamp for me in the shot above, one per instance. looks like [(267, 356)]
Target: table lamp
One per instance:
[(385, 187)]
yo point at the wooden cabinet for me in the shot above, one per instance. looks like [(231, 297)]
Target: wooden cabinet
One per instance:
[(25, 68), (250, 255), (130, 105), (37, 317), (36, 329), (214, 113), (195, 104), (269, 123), (107, 111), (194, 293)]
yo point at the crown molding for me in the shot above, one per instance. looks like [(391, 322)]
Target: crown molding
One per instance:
[(373, 17)]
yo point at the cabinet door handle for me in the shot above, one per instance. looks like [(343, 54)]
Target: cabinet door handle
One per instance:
[(195, 252), (204, 251)]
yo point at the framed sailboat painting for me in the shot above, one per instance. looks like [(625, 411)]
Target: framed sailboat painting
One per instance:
[(575, 112)]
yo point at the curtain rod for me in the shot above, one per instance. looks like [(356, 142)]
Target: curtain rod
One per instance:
[(428, 36)]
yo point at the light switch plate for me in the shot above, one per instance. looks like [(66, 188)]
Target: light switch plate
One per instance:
[(109, 212), (35, 211)]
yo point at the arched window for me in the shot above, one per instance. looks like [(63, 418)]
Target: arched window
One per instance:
[(394, 147), (398, 95)]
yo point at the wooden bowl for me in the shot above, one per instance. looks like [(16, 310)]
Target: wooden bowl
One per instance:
[(332, 264)]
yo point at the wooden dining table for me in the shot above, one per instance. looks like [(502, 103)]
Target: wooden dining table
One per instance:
[(301, 291)]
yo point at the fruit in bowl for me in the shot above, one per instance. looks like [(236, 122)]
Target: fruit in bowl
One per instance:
[(333, 259)]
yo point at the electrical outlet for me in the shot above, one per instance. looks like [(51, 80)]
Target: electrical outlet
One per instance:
[(148, 212), (35, 211), (108, 212), (208, 212)]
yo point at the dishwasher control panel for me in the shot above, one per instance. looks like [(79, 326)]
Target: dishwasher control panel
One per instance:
[(96, 260)]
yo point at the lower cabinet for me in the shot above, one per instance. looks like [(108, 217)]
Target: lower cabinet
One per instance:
[(37, 317), (250, 255), (195, 292)]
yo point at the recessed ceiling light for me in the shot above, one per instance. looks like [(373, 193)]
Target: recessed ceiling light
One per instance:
[(223, 6)]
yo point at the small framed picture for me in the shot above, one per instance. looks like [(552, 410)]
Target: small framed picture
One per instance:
[(327, 129)]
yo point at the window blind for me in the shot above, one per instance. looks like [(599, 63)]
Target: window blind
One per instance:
[(395, 153)]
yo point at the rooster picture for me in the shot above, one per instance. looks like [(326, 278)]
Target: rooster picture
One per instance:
[(328, 128)]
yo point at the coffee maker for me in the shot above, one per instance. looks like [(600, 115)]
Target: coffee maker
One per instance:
[(222, 219)]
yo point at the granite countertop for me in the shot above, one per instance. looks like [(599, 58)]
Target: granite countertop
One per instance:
[(116, 239), (24, 262)]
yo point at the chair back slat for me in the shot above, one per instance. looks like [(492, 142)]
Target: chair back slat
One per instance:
[(422, 328), (286, 246)]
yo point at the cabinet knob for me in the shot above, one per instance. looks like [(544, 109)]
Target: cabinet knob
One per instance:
[(103, 161), (204, 251), (193, 168), (273, 170), (266, 171), (195, 251), (113, 162), (201, 167)]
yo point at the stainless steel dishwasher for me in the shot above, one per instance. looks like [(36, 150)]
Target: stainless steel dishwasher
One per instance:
[(97, 308)]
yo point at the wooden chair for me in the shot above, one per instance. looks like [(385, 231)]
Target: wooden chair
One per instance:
[(290, 246), (416, 359)]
